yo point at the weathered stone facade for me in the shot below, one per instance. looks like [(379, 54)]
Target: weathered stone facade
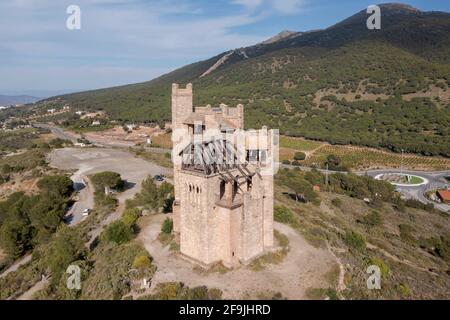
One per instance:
[(222, 213)]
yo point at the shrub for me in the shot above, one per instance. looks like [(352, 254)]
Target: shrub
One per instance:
[(336, 202), (355, 240), (60, 185), (284, 215), (107, 179), (385, 271), (406, 232), (404, 290), (118, 232), (443, 248), (141, 262), (167, 226), (130, 216), (299, 156), (373, 219)]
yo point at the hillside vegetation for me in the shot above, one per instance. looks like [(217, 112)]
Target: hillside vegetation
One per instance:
[(346, 84)]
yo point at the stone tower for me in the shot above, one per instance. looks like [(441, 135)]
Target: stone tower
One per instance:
[(223, 210)]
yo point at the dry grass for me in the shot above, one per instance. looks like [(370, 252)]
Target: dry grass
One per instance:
[(414, 270), (162, 141)]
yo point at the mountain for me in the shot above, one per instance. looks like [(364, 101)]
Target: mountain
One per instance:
[(13, 100), (345, 84)]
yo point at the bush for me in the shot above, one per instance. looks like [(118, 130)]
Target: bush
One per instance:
[(406, 232), (355, 240), (299, 156), (443, 248), (60, 185), (118, 232), (336, 202), (385, 271), (167, 226), (107, 179), (141, 262), (130, 216), (373, 219), (178, 291)]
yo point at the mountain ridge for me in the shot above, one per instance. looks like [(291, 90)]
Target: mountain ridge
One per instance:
[(342, 84), (17, 99)]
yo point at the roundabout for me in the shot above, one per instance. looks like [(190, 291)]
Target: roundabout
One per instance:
[(402, 179)]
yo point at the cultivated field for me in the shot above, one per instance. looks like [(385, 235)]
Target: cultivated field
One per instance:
[(357, 158)]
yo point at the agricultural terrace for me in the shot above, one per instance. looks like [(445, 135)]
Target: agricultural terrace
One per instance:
[(356, 158)]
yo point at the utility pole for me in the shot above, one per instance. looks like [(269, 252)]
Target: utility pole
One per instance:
[(326, 178)]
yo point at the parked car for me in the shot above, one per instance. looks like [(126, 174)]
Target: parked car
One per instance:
[(86, 212), (159, 177)]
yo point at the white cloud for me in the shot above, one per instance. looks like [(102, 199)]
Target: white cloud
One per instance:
[(288, 6), (251, 4), (130, 40), (280, 6)]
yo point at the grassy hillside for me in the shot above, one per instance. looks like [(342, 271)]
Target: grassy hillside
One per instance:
[(346, 84)]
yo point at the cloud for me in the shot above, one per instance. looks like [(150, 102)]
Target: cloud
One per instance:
[(251, 4), (284, 7), (120, 41), (288, 6)]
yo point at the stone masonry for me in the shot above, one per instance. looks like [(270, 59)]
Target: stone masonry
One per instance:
[(222, 212)]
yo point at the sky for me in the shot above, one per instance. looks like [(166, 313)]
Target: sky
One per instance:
[(128, 41)]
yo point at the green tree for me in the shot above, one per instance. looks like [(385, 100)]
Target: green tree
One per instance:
[(15, 236), (66, 248), (61, 185), (118, 232), (108, 179), (130, 216)]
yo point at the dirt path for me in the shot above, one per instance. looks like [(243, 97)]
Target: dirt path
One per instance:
[(29, 294), (303, 267), (16, 265)]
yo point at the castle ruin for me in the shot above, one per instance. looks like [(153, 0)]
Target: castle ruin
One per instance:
[(223, 210)]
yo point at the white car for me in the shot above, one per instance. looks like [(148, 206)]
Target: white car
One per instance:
[(86, 212)]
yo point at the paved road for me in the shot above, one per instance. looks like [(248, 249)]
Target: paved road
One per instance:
[(58, 132), (436, 181), (436, 178), (88, 161), (85, 198)]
